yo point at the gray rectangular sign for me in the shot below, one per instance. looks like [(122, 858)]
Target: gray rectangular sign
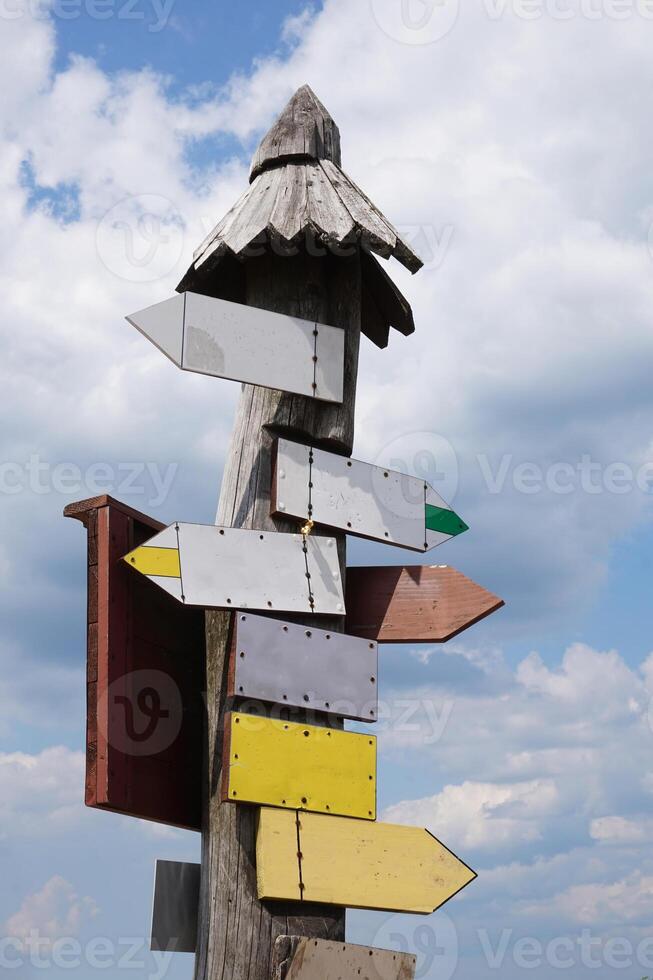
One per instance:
[(175, 906), (284, 663)]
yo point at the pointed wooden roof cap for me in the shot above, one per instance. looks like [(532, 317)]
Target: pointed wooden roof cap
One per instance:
[(304, 131), (297, 188)]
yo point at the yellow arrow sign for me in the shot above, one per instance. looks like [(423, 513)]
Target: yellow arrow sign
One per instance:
[(280, 763), (354, 863)]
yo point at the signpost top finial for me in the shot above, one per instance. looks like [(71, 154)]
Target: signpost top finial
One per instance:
[(298, 191), (304, 131)]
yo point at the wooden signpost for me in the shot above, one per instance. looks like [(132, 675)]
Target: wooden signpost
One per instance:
[(241, 343), (223, 567), (369, 501), (280, 763), (288, 808), (308, 857), (288, 664)]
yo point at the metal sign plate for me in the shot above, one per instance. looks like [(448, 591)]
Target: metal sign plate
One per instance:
[(242, 343), (175, 907), (362, 499), (414, 603), (234, 568), (280, 763), (299, 958), (293, 665), (356, 863)]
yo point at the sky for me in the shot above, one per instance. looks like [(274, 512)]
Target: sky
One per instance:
[(510, 142)]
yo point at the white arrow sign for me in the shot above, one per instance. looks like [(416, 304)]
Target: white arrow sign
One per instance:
[(242, 343), (233, 568), (370, 501)]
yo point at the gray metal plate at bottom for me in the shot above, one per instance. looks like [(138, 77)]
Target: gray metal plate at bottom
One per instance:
[(175, 907)]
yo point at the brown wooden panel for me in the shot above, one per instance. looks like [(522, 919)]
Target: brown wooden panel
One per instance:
[(414, 604), (145, 679)]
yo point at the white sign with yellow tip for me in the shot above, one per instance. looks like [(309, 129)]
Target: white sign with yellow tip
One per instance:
[(234, 568)]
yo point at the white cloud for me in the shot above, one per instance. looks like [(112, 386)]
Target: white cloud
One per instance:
[(40, 795), (482, 815), (539, 778), (620, 830), (625, 901), (54, 912)]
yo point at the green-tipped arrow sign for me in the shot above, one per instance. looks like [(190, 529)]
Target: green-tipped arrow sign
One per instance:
[(359, 498)]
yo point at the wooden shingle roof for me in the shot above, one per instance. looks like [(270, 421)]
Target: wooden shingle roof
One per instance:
[(297, 188)]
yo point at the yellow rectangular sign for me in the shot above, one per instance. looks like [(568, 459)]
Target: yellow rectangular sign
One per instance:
[(301, 767), (355, 863)]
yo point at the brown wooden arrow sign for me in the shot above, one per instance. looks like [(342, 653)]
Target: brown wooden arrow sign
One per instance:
[(414, 603)]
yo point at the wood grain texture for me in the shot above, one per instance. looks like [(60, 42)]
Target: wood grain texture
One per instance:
[(236, 931), (304, 129), (299, 958), (145, 656), (383, 304), (390, 304), (414, 604), (296, 198)]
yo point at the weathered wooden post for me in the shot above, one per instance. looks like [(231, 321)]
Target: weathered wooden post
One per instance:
[(302, 235)]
